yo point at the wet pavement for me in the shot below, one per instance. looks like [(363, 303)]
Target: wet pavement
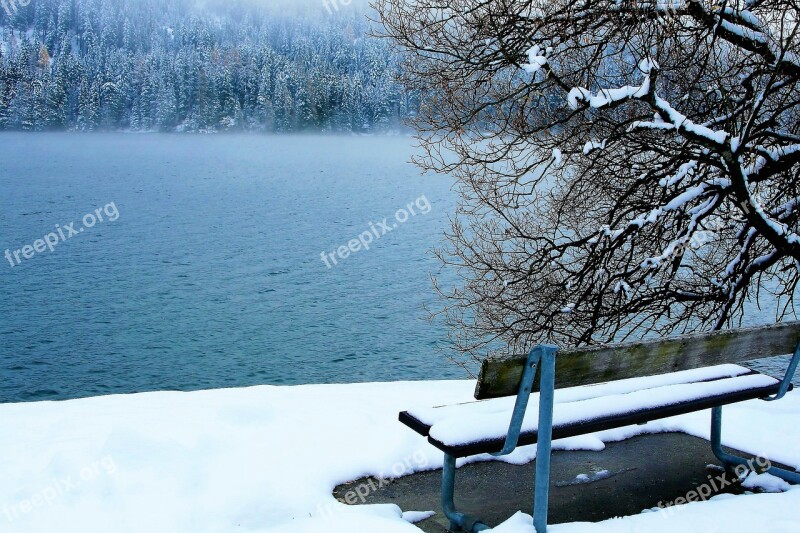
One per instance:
[(624, 479)]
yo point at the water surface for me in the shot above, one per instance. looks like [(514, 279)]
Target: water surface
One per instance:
[(212, 274)]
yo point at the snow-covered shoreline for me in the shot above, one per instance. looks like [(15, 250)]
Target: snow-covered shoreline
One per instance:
[(267, 459)]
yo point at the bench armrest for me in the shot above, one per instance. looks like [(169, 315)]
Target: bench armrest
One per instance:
[(786, 384), (540, 356)]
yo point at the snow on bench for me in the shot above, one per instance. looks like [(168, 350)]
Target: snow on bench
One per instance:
[(481, 427)]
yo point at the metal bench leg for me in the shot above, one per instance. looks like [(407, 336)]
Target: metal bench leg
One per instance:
[(541, 497), (458, 521), (732, 461), (546, 355)]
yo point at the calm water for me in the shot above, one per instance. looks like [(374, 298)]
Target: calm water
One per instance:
[(211, 275)]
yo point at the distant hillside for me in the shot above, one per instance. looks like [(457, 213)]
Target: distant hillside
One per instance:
[(170, 65)]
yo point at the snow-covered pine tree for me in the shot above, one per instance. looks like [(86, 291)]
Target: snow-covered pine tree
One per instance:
[(224, 60)]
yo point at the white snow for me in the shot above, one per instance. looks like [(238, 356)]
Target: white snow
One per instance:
[(747, 16), (622, 286), (647, 64), (677, 120), (605, 97), (479, 421), (417, 516), (686, 169), (267, 458), (682, 122), (536, 60), (576, 94), (731, 514), (581, 479), (779, 227), (212, 461), (658, 124), (591, 146), (603, 474), (743, 31), (765, 482), (776, 153)]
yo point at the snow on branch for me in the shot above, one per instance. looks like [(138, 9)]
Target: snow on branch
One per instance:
[(606, 97), (684, 125), (667, 116), (678, 203), (537, 58)]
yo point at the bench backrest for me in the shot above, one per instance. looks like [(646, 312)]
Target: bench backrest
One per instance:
[(597, 364)]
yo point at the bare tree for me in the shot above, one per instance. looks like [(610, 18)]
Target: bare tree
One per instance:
[(625, 167)]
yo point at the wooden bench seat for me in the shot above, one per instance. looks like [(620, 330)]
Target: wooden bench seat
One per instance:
[(481, 427), (550, 394)]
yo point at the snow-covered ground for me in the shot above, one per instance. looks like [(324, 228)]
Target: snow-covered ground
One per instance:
[(267, 459)]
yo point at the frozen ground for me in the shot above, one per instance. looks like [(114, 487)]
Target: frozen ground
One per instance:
[(267, 459)]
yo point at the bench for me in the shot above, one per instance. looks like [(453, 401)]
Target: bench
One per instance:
[(585, 390)]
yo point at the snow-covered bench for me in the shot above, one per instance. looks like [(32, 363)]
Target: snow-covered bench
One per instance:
[(593, 389)]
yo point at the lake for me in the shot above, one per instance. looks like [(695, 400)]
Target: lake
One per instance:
[(211, 272), (215, 261)]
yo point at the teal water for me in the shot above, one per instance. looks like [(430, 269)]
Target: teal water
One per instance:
[(211, 273)]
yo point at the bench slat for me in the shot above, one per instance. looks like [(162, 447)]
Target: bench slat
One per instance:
[(428, 416), (583, 366), (614, 419)]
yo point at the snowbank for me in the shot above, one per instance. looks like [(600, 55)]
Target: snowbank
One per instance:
[(267, 459)]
